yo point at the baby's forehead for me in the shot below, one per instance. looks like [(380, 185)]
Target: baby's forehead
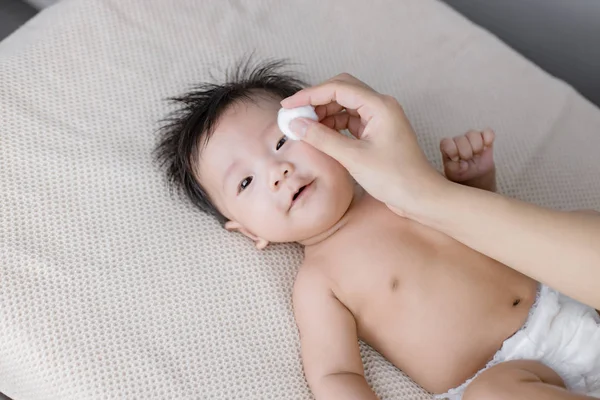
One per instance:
[(242, 123), (238, 133), (246, 119), (258, 106)]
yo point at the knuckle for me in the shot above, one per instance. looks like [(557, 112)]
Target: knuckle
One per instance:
[(391, 101), (393, 106), (343, 78)]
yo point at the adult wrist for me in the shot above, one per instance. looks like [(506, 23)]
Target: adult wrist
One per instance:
[(427, 202)]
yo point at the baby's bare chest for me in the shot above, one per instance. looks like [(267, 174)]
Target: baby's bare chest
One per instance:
[(385, 255), (418, 295), (383, 264)]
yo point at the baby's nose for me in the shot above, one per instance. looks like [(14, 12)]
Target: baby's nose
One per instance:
[(280, 173), (277, 182)]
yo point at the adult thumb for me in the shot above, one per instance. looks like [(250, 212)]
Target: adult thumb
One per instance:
[(323, 138)]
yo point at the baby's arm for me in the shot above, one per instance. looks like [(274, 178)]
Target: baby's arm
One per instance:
[(469, 159), (330, 352)]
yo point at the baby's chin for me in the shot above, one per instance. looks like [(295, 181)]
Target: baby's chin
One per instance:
[(317, 228)]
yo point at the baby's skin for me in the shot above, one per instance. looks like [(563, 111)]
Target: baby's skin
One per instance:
[(435, 308)]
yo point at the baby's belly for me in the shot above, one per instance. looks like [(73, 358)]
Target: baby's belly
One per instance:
[(442, 331)]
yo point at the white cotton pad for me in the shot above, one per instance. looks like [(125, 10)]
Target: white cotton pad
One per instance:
[(286, 115)]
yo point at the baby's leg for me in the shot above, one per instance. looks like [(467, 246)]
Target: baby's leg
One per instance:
[(520, 380), (469, 159)]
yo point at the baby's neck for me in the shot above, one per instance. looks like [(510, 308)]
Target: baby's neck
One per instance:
[(359, 193)]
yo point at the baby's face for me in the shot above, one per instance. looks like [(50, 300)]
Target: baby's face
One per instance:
[(271, 187)]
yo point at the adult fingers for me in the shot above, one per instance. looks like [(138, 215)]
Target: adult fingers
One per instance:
[(324, 138), (345, 90), (344, 120), (332, 108)]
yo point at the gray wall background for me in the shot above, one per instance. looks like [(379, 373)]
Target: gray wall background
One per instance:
[(13, 14), (561, 36)]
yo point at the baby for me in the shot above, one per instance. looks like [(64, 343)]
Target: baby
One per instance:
[(438, 310)]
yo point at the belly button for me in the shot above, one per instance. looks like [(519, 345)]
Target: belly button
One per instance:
[(516, 302), (394, 284)]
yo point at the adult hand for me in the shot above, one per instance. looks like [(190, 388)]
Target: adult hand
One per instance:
[(556, 248), (386, 160)]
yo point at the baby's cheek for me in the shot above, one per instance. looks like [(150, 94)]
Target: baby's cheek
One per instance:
[(266, 223)]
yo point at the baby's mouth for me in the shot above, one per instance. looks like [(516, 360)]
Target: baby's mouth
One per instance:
[(299, 194)]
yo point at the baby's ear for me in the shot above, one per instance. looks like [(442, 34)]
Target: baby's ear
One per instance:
[(234, 226)]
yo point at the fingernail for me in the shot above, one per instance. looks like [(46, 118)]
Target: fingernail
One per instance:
[(299, 126)]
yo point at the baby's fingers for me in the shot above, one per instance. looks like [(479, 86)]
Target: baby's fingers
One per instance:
[(455, 168), (488, 137), (465, 151), (476, 140), (449, 149)]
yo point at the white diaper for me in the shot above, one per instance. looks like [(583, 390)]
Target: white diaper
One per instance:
[(562, 334)]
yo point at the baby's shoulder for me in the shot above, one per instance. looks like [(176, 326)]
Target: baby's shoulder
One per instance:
[(312, 292), (311, 277)]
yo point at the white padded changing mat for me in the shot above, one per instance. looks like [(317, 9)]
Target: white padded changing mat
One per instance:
[(111, 289)]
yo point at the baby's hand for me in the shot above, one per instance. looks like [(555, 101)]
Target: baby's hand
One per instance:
[(469, 159)]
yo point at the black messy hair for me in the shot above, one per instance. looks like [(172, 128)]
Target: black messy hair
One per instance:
[(187, 129)]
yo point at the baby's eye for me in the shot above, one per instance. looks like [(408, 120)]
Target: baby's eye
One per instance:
[(244, 183), (281, 142)]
